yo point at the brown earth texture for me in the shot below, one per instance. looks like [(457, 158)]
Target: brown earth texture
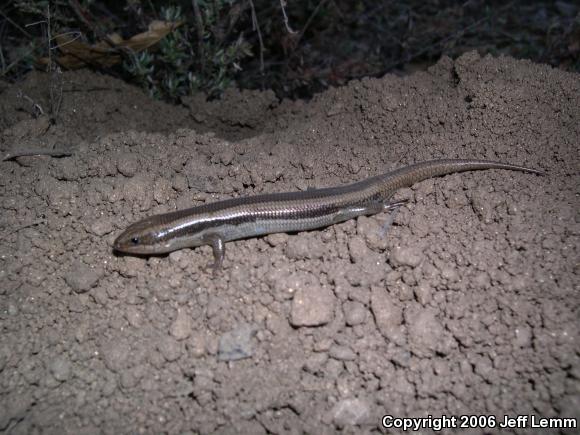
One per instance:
[(464, 302)]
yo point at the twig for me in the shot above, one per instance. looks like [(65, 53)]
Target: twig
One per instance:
[(199, 29), (28, 35), (308, 22), (36, 152), (31, 224), (55, 95), (37, 107), (256, 28), (282, 6)]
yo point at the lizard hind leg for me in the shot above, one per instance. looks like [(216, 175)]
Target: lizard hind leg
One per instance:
[(368, 209)]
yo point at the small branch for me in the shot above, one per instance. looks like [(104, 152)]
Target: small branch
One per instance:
[(309, 21), (282, 6), (36, 152), (38, 221), (35, 106), (199, 29), (256, 28)]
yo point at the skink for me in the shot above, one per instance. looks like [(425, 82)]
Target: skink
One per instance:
[(219, 222)]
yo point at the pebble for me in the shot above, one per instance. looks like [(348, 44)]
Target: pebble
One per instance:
[(426, 333), (312, 306), (127, 164), (342, 353), (116, 354), (60, 368), (196, 345), (406, 256), (358, 249), (423, 293), (350, 412), (237, 343), (81, 278), (355, 313), (387, 313), (523, 336), (182, 325), (169, 348)]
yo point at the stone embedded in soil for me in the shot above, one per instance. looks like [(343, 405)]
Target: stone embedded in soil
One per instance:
[(350, 412), (523, 336), (237, 343), (116, 354), (81, 278), (406, 256), (355, 313), (387, 313), (128, 164), (169, 348), (358, 249), (196, 345), (312, 306), (60, 368), (182, 325), (426, 333), (342, 353)]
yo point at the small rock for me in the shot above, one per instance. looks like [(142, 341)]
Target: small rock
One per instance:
[(482, 206), (312, 306), (127, 164), (406, 256), (355, 313), (426, 333), (523, 336), (182, 325), (237, 344), (116, 354), (196, 345), (387, 313), (342, 353), (358, 249), (81, 278), (60, 368), (169, 348), (423, 293), (134, 316), (450, 274), (350, 412), (101, 227)]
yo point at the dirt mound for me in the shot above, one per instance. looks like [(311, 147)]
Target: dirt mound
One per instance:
[(466, 302)]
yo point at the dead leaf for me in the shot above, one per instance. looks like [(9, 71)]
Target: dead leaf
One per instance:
[(75, 53)]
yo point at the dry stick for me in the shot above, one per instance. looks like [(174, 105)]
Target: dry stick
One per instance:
[(36, 152), (283, 5), (28, 35), (256, 28), (199, 29), (35, 106), (5, 70), (55, 101), (308, 22), (31, 224)]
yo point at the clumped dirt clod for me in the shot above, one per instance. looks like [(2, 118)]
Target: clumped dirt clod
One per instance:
[(468, 303)]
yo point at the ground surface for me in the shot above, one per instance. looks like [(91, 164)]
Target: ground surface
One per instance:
[(468, 305)]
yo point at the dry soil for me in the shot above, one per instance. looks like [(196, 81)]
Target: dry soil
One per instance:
[(466, 301)]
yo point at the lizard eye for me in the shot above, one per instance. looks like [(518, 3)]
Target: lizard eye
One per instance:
[(135, 240)]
